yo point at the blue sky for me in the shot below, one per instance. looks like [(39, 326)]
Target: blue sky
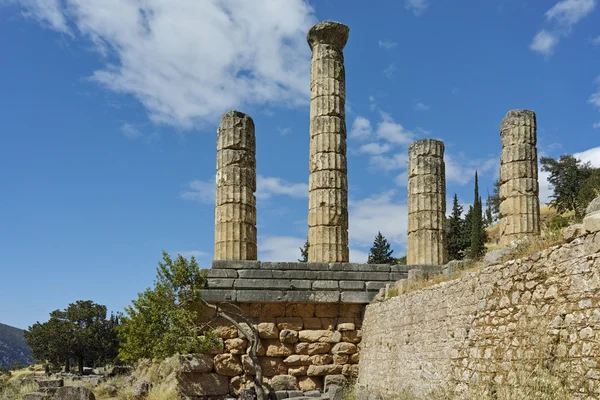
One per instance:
[(109, 117)]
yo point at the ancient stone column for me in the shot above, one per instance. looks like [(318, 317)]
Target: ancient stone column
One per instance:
[(426, 242), (519, 188), (235, 211), (328, 181)]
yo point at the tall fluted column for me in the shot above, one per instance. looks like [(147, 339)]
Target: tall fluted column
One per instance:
[(235, 212), (328, 181), (519, 187), (426, 242)]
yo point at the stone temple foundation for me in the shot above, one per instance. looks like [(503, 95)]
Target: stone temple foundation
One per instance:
[(519, 188), (328, 182), (426, 242), (235, 211)]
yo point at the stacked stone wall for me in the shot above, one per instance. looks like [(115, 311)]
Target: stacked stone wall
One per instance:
[(301, 344), (486, 325)]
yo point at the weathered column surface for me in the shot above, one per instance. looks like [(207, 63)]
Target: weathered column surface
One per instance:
[(426, 242), (519, 188), (235, 212), (328, 181)]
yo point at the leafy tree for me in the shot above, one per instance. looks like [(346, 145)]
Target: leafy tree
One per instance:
[(304, 252), (162, 321), (380, 253), (492, 204), (478, 236), (79, 332), (572, 183), (456, 232)]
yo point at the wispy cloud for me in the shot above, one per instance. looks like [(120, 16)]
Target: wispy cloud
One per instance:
[(596, 40), (284, 131), (544, 43), (596, 125), (361, 128), (392, 131), (417, 7), (564, 15), (389, 71), (387, 44), (256, 56), (374, 148), (595, 97), (389, 163), (279, 248), (201, 191), (192, 253), (267, 187), (130, 131), (419, 106), (461, 170)]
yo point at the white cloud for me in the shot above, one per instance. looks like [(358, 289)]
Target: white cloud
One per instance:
[(590, 155), (389, 71), (130, 131), (387, 44), (392, 131), (463, 170), (279, 248), (201, 191), (417, 7), (595, 97), (189, 62), (564, 14), (402, 179), (47, 12), (569, 12), (382, 212), (267, 187), (361, 128), (389, 163), (421, 107), (544, 186), (284, 131), (544, 43), (596, 125), (596, 40), (358, 256), (374, 148)]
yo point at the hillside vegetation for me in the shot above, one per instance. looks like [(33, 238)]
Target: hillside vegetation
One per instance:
[(13, 348)]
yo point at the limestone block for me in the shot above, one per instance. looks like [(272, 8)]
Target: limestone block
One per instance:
[(354, 358), (518, 170), (298, 371), (236, 346), (271, 366), (291, 323), (235, 195), (275, 348), (284, 382), (288, 336), (572, 232), (327, 216), (344, 348), (322, 336), (308, 383), (305, 310), (321, 359), (240, 158), (36, 396), (330, 142), (296, 360), (328, 161), (321, 370), (195, 363), (591, 222), (74, 393), (352, 336), (593, 207), (267, 330), (518, 152), (340, 359), (327, 124), (304, 348), (236, 213), (339, 380), (327, 197), (197, 384), (227, 364), (327, 310), (50, 383), (350, 370)]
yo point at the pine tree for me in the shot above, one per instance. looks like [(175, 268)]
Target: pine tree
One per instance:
[(304, 252), (380, 253), (455, 233), (477, 247)]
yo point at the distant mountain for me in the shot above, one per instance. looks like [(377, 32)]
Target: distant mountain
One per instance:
[(13, 347)]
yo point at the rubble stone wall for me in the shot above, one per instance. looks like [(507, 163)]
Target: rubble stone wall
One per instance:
[(301, 343), (485, 325)]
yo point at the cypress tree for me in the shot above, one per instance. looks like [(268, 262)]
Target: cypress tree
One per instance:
[(380, 253), (455, 233), (477, 247), (304, 252)]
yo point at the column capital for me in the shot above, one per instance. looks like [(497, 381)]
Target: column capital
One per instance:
[(328, 32)]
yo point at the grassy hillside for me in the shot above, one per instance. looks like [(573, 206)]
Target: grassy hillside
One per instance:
[(13, 347)]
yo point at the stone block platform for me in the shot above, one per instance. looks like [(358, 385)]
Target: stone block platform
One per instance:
[(300, 282)]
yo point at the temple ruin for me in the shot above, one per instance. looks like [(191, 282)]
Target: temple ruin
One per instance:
[(426, 243), (519, 188), (235, 211), (328, 181)]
